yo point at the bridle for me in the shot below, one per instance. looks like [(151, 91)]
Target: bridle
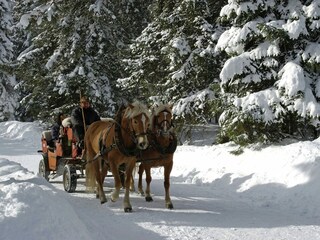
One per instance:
[(160, 126), (133, 133)]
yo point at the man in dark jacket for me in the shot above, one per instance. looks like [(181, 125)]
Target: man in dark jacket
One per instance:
[(81, 118)]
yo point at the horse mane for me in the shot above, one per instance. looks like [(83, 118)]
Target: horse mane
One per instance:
[(156, 109), (135, 109), (162, 107)]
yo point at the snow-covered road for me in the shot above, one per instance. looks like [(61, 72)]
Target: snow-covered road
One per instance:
[(272, 193)]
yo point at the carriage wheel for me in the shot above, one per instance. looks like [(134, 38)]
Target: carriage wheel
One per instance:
[(69, 178), (43, 168)]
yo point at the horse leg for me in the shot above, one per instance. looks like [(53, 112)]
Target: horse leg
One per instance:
[(140, 173), (100, 180), (148, 180), (117, 181), (167, 171), (132, 185), (126, 201), (103, 174)]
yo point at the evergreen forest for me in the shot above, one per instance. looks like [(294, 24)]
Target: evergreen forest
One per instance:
[(253, 67)]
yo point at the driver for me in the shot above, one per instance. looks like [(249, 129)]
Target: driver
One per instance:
[(81, 117)]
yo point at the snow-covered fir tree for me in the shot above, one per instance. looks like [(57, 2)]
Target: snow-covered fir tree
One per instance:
[(8, 95), (74, 46), (271, 80), (173, 59)]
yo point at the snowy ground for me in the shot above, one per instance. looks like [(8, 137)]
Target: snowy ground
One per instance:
[(267, 193)]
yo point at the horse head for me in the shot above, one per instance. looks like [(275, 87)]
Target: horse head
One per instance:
[(138, 118), (162, 119)]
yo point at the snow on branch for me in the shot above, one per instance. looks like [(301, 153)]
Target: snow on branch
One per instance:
[(307, 105), (296, 27), (232, 40), (291, 79), (265, 49), (195, 101), (236, 66), (238, 8), (53, 58), (181, 44), (312, 10), (312, 53), (260, 104)]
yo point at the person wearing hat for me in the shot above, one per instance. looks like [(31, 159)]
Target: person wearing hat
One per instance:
[(81, 117)]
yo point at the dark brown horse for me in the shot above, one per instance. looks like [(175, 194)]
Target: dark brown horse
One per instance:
[(163, 144), (110, 143)]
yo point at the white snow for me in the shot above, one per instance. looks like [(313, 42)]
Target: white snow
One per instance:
[(265, 193), (181, 44), (292, 79), (53, 58)]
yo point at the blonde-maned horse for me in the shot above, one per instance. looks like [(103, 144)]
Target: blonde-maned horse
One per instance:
[(110, 143), (163, 143)]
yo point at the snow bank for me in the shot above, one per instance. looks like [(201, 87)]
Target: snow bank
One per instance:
[(31, 205)]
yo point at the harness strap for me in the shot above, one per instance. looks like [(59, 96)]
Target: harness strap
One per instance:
[(117, 142), (102, 145), (171, 148), (163, 151)]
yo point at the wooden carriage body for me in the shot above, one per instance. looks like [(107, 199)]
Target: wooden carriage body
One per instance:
[(64, 147), (61, 157)]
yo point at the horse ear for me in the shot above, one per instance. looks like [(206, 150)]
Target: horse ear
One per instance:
[(130, 106), (171, 105)]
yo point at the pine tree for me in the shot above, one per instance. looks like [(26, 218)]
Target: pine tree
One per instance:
[(133, 16), (8, 95), (267, 88), (173, 59), (73, 48)]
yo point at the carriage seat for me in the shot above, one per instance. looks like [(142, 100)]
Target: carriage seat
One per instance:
[(47, 136)]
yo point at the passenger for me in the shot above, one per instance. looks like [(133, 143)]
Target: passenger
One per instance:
[(78, 123), (55, 130)]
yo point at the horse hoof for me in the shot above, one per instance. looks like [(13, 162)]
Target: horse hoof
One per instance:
[(149, 199), (113, 199), (170, 206), (128, 209)]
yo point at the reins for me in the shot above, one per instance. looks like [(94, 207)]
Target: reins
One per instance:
[(158, 125), (117, 142), (129, 152), (154, 143)]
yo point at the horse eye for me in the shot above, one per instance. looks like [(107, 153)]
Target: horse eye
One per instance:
[(135, 121)]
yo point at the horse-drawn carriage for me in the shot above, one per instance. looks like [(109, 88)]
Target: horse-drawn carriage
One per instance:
[(62, 158), (127, 139)]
